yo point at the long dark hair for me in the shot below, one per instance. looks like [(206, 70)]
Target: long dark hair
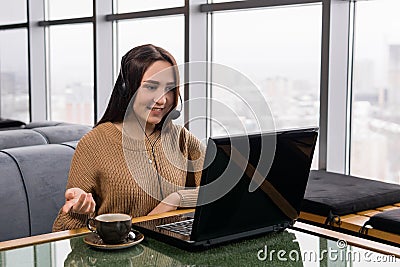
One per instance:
[(133, 66)]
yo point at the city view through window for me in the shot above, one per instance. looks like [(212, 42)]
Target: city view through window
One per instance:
[(375, 135), (14, 93), (71, 73), (282, 58)]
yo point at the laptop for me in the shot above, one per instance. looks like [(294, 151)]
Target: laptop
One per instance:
[(251, 185)]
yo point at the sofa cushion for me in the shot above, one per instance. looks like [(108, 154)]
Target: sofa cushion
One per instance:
[(37, 124), (64, 133), (71, 144), (20, 137), (330, 193), (44, 170), (14, 213)]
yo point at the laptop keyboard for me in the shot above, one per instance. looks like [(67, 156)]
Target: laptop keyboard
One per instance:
[(181, 227)]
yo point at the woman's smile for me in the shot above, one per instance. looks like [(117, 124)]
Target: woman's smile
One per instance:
[(156, 111), (154, 97)]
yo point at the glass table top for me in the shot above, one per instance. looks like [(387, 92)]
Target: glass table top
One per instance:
[(287, 248)]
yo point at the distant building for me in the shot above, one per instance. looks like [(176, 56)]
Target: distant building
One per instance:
[(74, 104), (369, 153), (365, 88), (394, 75)]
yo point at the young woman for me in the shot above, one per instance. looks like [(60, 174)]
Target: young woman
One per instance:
[(131, 162)]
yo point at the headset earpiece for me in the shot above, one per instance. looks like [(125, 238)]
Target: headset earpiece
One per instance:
[(123, 89)]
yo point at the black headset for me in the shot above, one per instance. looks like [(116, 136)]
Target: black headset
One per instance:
[(123, 91)]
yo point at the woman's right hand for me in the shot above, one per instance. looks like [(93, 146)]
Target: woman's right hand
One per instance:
[(78, 201)]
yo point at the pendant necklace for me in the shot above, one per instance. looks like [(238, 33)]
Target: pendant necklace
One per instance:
[(152, 147), (152, 154)]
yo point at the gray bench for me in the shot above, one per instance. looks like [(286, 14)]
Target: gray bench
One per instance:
[(332, 195)]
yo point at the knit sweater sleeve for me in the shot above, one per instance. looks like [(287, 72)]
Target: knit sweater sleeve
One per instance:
[(82, 174), (196, 153)]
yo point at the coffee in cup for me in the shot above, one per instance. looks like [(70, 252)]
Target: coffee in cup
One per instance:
[(113, 228)]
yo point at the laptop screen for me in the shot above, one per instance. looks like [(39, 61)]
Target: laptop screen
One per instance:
[(253, 182)]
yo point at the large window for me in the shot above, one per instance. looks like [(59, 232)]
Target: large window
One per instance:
[(166, 32), (71, 73), (66, 9), (277, 48), (282, 58), (124, 6), (14, 92), (12, 11), (375, 135)]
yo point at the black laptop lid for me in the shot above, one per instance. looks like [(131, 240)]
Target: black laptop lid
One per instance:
[(240, 210)]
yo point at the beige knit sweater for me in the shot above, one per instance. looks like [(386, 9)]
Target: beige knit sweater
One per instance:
[(122, 175)]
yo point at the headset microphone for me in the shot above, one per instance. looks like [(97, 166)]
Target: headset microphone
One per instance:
[(174, 114)]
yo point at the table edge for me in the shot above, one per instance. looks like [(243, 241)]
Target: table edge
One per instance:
[(55, 236)]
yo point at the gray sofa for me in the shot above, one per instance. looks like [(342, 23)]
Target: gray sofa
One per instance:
[(54, 134), (34, 166), (32, 186)]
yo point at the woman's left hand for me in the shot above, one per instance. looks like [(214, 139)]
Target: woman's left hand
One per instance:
[(171, 202)]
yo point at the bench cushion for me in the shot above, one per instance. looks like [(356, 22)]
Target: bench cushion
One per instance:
[(388, 221), (6, 123), (332, 193), (44, 170), (14, 213)]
